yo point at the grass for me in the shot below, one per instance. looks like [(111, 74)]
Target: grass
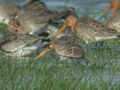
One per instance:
[(49, 73)]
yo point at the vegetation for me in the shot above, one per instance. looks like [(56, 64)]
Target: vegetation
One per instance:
[(48, 73)]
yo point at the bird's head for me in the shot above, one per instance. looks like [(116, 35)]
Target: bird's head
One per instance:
[(14, 26)]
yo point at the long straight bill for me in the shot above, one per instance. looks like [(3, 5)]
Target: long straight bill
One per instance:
[(42, 53), (62, 29)]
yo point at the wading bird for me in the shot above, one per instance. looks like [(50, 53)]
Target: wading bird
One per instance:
[(36, 16), (8, 11), (16, 46), (92, 30), (65, 45)]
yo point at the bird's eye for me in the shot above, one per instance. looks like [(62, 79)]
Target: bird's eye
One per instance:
[(73, 39)]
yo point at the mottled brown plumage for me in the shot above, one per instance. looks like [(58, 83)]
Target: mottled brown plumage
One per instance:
[(69, 46), (35, 17), (92, 30), (8, 11), (16, 46), (114, 22)]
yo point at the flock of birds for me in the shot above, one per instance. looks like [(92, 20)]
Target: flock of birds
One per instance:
[(33, 26)]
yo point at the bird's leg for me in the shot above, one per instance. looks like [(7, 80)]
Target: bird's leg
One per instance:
[(115, 9), (116, 6), (61, 30), (50, 47), (42, 53), (107, 10)]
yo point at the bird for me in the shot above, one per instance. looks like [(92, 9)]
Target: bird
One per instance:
[(30, 21), (68, 45), (113, 22), (115, 4), (22, 47), (91, 30), (28, 2), (34, 18), (65, 45), (8, 12)]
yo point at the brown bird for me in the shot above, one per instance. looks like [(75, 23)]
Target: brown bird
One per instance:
[(30, 20), (68, 46), (34, 18), (20, 47), (92, 30), (114, 22), (8, 11)]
